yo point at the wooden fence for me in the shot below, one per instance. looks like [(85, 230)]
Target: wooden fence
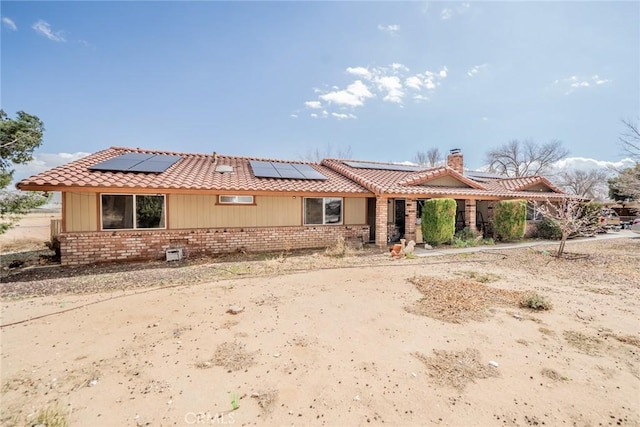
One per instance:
[(56, 228)]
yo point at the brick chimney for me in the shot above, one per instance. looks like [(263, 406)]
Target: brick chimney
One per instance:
[(454, 160)]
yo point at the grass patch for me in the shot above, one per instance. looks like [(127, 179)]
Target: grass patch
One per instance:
[(535, 301), (456, 368), (340, 249)]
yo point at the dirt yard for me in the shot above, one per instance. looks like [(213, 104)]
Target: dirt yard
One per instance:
[(317, 340)]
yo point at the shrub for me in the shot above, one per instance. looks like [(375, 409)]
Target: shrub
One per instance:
[(509, 219), (548, 229), (438, 221), (535, 302), (467, 234)]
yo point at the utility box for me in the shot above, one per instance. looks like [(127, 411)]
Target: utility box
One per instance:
[(174, 254)]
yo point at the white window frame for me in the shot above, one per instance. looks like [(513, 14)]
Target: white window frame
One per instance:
[(324, 210), (134, 209), (235, 200)]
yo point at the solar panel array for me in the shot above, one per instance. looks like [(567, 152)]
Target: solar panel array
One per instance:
[(385, 166), (284, 170), (137, 162)]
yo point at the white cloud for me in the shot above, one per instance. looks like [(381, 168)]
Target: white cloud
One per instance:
[(585, 163), (353, 96), (387, 83), (342, 116), (392, 29), (393, 87), (44, 161), (293, 115), (473, 71), (360, 72), (448, 13), (313, 104), (572, 83), (8, 22), (43, 28)]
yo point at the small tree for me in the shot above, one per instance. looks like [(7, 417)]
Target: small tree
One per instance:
[(438, 221), (18, 138), (510, 219), (572, 216)]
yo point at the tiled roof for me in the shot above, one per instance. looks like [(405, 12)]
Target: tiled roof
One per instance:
[(191, 172), (398, 183), (521, 183)]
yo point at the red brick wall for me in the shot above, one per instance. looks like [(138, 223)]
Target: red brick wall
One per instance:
[(95, 247)]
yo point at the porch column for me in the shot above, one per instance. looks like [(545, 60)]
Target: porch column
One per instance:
[(410, 219), (382, 215), (470, 214)]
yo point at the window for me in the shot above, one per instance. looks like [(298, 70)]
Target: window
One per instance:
[(126, 211), (235, 200), (322, 210), (533, 213)]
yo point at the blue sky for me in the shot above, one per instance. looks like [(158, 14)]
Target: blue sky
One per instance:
[(279, 79)]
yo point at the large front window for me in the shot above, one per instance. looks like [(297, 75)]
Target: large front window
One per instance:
[(322, 210), (126, 211)]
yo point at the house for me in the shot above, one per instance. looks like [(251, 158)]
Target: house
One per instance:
[(128, 204)]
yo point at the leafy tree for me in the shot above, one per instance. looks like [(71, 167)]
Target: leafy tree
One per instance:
[(518, 158), (19, 137), (432, 157), (626, 186)]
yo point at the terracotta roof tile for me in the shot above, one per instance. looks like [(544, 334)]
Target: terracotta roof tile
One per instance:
[(191, 172)]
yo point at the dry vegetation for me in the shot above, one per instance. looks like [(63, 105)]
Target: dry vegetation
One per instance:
[(456, 368)]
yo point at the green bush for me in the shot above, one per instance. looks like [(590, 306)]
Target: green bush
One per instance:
[(510, 219), (438, 221), (466, 234), (535, 302), (548, 229)]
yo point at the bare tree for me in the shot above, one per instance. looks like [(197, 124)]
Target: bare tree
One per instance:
[(317, 154), (630, 139), (591, 184), (572, 215), (432, 157), (518, 158)]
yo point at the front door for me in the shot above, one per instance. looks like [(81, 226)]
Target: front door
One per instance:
[(371, 218), (399, 211)]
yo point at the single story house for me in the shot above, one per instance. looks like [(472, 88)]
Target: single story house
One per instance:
[(128, 204)]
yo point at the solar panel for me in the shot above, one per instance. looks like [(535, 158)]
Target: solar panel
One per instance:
[(137, 162), (284, 170), (385, 166)]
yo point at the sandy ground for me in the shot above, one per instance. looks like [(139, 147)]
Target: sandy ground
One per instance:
[(339, 346), (30, 232)]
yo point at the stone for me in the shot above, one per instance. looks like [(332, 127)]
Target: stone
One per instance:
[(234, 309)]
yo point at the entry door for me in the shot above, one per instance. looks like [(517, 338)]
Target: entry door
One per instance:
[(399, 217), (371, 218)]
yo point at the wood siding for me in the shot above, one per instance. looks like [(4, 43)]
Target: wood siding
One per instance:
[(81, 212), (202, 211), (355, 211), (445, 181)]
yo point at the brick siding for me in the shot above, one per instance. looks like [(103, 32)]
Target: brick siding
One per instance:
[(97, 247)]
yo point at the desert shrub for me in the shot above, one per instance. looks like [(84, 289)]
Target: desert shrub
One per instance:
[(535, 302), (466, 234), (509, 219), (438, 221), (548, 229)]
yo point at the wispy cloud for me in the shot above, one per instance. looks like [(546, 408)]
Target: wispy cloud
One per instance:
[(43, 28), (392, 29), (476, 69), (448, 13), (8, 23), (393, 83), (573, 83)]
